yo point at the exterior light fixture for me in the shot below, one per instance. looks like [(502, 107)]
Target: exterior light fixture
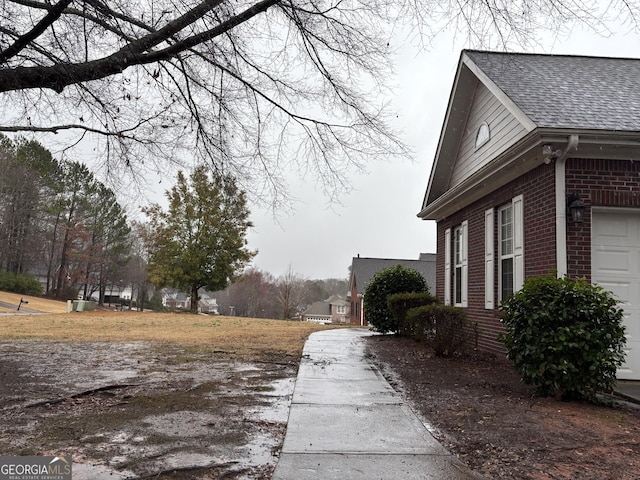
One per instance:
[(576, 207)]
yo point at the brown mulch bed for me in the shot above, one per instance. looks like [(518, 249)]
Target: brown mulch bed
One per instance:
[(482, 413)]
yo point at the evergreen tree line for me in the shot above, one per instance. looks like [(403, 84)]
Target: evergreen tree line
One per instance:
[(62, 225), (58, 222)]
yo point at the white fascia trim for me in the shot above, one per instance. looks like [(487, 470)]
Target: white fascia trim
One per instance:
[(509, 164), (525, 156), (454, 96), (497, 91), (561, 219), (573, 142)]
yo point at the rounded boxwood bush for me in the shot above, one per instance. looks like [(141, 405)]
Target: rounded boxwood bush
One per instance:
[(396, 279), (400, 303), (564, 336), (443, 327)]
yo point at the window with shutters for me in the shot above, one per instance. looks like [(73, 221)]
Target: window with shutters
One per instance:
[(457, 263), (460, 265), (510, 253), (505, 245)]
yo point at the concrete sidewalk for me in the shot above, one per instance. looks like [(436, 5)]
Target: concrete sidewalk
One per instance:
[(347, 423), (629, 390)]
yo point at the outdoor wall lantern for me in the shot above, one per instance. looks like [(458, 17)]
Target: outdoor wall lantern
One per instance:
[(576, 207)]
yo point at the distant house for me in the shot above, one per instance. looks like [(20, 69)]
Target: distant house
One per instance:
[(126, 293), (115, 293), (334, 310), (207, 304), (363, 269), (174, 300), (537, 171)]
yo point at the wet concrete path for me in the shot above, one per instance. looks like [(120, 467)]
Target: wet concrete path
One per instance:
[(347, 423)]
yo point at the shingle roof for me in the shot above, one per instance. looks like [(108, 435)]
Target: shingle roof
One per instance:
[(563, 91), (336, 299), (319, 308), (363, 269)]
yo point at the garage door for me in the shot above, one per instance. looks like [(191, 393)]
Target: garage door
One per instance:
[(615, 257)]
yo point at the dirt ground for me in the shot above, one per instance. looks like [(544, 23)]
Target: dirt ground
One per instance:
[(144, 410), (151, 410), (483, 413)]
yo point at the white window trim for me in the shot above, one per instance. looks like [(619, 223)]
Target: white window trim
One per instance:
[(489, 298), (457, 257), (447, 266), (518, 247), (500, 255), (518, 243), (464, 266), (480, 141)]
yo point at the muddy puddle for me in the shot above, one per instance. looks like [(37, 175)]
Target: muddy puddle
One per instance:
[(140, 410)]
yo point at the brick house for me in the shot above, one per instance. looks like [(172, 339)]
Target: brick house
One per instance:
[(528, 143), (334, 310), (364, 268)]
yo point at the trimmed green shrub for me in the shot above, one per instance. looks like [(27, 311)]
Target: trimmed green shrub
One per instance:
[(396, 279), (444, 328), (20, 283), (400, 303), (564, 336)]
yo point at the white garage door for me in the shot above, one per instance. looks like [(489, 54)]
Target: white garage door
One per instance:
[(615, 262)]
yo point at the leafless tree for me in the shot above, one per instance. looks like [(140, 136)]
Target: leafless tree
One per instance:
[(291, 294), (253, 87), (252, 294), (134, 273)]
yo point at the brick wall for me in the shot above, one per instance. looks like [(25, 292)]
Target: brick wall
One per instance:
[(609, 183), (537, 188), (355, 308), (606, 183)]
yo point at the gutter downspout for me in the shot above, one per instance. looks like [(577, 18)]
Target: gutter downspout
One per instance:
[(561, 206)]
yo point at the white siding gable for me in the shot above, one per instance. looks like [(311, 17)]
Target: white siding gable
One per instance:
[(504, 130)]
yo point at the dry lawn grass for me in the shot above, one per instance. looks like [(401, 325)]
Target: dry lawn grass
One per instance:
[(228, 336), (36, 303), (236, 336)]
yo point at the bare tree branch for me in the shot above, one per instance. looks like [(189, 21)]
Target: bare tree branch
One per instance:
[(52, 15), (254, 88)]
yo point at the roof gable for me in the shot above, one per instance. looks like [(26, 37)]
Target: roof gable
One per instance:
[(503, 129), (466, 82), (337, 300), (550, 94)]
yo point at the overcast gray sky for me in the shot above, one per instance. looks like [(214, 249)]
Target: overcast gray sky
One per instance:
[(378, 218)]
